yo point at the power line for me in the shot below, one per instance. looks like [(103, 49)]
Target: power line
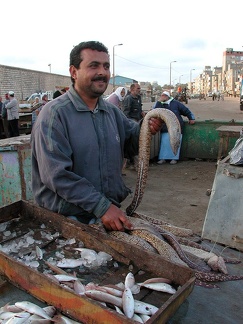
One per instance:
[(151, 67)]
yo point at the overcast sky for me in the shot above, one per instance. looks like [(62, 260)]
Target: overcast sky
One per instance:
[(153, 33)]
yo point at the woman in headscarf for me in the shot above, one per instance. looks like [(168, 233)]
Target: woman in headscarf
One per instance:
[(117, 97)]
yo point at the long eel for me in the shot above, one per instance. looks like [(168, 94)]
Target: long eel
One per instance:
[(174, 131)]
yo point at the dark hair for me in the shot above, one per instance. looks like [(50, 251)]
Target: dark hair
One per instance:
[(76, 56)]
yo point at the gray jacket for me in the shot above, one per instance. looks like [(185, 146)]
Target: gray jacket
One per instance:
[(77, 156), (12, 109)]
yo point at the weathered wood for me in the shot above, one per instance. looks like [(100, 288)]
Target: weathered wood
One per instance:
[(79, 307)]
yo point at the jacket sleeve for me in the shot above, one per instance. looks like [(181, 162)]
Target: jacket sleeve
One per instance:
[(186, 112)]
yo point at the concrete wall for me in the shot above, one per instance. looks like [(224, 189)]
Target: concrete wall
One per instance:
[(24, 82)]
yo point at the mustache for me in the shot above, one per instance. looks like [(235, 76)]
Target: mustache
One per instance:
[(100, 78)]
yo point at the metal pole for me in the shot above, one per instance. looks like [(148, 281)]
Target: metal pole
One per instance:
[(49, 67), (191, 79), (113, 70), (170, 70)]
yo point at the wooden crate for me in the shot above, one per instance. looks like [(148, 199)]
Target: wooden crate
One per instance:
[(81, 308)]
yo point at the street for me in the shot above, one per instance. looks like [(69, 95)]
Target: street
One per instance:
[(208, 109)]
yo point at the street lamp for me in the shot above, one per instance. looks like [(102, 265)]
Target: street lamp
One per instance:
[(49, 67), (191, 79), (170, 70), (113, 79), (180, 78)]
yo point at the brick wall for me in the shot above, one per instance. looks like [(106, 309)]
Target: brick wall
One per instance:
[(24, 82)]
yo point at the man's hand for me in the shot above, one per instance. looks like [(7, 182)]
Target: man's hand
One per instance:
[(115, 219), (155, 125), (191, 122)]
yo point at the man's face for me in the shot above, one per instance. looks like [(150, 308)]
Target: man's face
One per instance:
[(164, 97), (93, 75)]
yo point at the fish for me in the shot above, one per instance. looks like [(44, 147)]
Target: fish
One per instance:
[(129, 280), (128, 303), (78, 287), (16, 319), (168, 281), (104, 297), (160, 286), (70, 263), (62, 277), (137, 318), (144, 308), (61, 319), (32, 308)]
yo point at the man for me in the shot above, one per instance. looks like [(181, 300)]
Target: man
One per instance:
[(37, 106), (78, 142), (133, 110), (133, 103), (167, 102), (4, 115), (13, 115)]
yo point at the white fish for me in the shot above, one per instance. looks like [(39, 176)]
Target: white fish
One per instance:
[(137, 318), (10, 308), (144, 317), (156, 280), (104, 297), (61, 319), (36, 319), (110, 290), (63, 277), (129, 280), (32, 308), (128, 303), (70, 263), (16, 319), (160, 286), (78, 287), (144, 308), (50, 310)]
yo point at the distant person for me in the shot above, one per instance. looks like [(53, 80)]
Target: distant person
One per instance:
[(13, 115), (1, 123), (133, 103), (117, 97), (37, 106), (133, 110), (4, 116), (59, 93), (179, 109)]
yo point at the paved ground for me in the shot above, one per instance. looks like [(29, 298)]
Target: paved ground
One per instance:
[(178, 193)]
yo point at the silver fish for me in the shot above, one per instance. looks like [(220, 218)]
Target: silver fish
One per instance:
[(129, 280), (63, 277), (160, 286), (128, 303), (137, 318), (16, 319), (144, 308), (104, 297), (32, 308), (70, 263)]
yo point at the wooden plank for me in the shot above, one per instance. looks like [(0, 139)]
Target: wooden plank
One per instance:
[(129, 257)]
